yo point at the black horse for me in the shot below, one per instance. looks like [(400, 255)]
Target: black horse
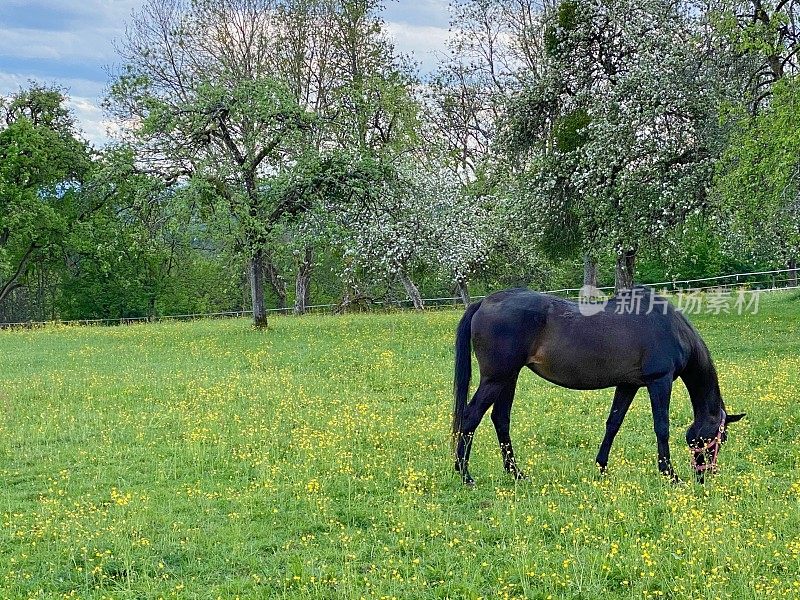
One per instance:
[(636, 339)]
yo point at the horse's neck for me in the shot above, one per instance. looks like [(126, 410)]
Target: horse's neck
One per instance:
[(701, 381)]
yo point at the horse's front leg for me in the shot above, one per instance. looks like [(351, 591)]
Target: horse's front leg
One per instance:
[(623, 396), (660, 391)]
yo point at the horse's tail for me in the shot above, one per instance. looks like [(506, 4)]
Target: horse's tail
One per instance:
[(463, 369)]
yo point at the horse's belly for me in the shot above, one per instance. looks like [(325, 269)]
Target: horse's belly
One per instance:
[(572, 382), (584, 373)]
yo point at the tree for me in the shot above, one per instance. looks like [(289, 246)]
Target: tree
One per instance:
[(308, 61), (492, 45), (757, 176), (234, 95), (759, 180), (761, 39), (463, 226), (370, 123), (201, 95), (612, 130), (370, 116), (388, 221), (42, 167)]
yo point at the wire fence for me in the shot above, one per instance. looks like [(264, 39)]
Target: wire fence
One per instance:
[(779, 279), (763, 281)]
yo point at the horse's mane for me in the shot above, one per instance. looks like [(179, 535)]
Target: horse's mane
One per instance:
[(701, 373)]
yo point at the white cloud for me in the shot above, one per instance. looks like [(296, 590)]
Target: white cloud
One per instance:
[(109, 11), (93, 44), (96, 12), (424, 42), (420, 12), (91, 120), (74, 31)]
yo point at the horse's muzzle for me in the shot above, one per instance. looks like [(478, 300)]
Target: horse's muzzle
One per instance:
[(709, 453)]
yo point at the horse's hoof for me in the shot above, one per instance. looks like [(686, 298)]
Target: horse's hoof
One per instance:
[(518, 475), (602, 469), (466, 478)]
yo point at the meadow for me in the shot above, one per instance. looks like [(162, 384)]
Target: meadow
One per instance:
[(210, 460)]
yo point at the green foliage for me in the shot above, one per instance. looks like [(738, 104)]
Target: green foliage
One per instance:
[(566, 21), (117, 269), (570, 130), (42, 166), (758, 179), (561, 237), (692, 251)]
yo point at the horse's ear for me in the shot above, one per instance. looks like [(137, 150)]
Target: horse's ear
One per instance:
[(734, 418)]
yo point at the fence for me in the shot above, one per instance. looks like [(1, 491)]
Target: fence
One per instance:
[(780, 279), (764, 281)]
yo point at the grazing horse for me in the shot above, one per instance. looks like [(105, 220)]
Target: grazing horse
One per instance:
[(634, 340)]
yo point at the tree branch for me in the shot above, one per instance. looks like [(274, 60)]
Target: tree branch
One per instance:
[(12, 284), (229, 143), (265, 151)]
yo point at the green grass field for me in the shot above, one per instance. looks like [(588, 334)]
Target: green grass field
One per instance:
[(209, 460)]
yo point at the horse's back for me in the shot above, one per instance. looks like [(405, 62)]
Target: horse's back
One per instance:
[(571, 347)]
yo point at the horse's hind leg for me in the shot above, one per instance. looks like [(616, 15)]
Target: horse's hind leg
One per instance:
[(619, 408), (501, 417), (487, 393)]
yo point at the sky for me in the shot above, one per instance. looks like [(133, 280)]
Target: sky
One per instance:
[(70, 43)]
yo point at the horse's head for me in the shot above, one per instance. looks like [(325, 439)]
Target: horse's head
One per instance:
[(705, 438)]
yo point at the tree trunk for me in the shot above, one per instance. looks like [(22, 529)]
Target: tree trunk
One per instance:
[(276, 282), (257, 289), (301, 283), (589, 271), (626, 262), (463, 291), (793, 272), (411, 290)]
